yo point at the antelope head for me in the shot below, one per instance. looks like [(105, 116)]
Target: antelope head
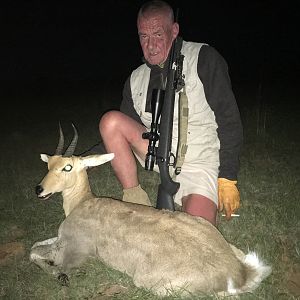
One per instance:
[(66, 172)]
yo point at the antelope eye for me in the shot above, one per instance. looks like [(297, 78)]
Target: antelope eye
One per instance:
[(67, 168)]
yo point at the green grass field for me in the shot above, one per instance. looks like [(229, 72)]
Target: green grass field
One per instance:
[(269, 180)]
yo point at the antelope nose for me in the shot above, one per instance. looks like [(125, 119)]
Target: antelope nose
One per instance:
[(38, 189)]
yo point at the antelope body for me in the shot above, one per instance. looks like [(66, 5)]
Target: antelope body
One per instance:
[(161, 250)]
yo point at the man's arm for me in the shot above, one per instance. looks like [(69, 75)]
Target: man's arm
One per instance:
[(126, 106), (213, 72)]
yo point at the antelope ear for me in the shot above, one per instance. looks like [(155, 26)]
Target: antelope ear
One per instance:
[(44, 157), (96, 160)]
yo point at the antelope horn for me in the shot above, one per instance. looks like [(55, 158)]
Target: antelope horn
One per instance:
[(70, 150), (60, 146)]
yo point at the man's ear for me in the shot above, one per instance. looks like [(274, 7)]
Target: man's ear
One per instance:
[(175, 30)]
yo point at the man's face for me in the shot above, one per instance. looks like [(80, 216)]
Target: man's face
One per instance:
[(156, 34)]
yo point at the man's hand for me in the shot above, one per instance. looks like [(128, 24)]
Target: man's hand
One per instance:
[(229, 196)]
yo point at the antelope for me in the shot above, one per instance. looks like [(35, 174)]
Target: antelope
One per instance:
[(161, 250)]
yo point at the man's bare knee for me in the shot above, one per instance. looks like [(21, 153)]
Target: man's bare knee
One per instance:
[(201, 206), (110, 121)]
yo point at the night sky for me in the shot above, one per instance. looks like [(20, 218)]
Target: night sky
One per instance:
[(50, 43)]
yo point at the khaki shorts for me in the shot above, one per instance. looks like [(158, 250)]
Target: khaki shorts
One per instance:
[(194, 178)]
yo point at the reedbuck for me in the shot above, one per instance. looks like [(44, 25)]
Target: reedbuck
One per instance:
[(161, 250)]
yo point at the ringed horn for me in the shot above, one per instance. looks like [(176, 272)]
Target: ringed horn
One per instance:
[(70, 150)]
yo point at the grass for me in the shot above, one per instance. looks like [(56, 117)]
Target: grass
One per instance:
[(269, 221)]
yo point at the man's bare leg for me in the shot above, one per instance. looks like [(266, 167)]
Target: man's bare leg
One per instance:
[(120, 135), (201, 206)]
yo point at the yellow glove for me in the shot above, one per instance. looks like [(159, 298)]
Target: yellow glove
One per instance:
[(229, 196)]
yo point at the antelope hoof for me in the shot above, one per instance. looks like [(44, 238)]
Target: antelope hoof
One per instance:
[(63, 279)]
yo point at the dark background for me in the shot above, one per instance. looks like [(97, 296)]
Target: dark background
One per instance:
[(49, 48)]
